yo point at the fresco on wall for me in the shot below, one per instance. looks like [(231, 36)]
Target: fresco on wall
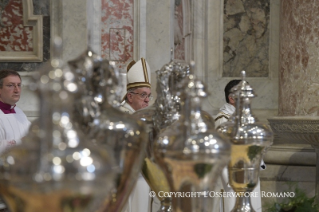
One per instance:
[(246, 38), (14, 36), (117, 31), (179, 41)]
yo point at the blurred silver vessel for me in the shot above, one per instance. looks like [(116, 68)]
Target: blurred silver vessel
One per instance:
[(95, 74), (161, 114), (190, 152), (108, 127), (56, 168), (249, 140)]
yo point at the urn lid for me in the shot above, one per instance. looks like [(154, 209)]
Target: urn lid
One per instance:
[(243, 89)]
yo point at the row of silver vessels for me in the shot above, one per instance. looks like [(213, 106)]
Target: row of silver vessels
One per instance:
[(83, 154)]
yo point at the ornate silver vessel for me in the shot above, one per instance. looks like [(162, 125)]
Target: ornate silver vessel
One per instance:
[(56, 168), (108, 127), (190, 152), (88, 67), (249, 140)]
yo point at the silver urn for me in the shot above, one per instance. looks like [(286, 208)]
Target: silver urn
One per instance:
[(249, 140)]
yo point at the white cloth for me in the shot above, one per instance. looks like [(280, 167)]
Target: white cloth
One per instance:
[(224, 113), (228, 203), (126, 108), (139, 199), (13, 127), (155, 204)]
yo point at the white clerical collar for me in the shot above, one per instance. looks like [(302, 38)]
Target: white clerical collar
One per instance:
[(127, 106), (228, 109)]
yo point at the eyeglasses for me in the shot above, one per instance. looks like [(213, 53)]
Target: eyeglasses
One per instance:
[(144, 95), (13, 86)]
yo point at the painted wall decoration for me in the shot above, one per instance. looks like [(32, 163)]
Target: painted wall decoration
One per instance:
[(117, 31), (21, 32), (246, 38), (14, 36)]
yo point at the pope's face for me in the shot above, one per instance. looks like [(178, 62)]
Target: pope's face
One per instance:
[(11, 90), (139, 98)]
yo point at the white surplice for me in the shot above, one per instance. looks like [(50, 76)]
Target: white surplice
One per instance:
[(13, 127)]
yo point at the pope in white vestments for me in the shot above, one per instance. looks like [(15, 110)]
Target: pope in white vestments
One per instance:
[(137, 97)]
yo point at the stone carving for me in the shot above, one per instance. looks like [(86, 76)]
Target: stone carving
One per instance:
[(294, 129), (301, 129)]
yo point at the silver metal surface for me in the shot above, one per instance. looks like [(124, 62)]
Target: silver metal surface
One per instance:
[(190, 152), (249, 140), (108, 127), (95, 75), (57, 167)]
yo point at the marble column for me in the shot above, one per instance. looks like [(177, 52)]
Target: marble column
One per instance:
[(298, 96), (299, 58)]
